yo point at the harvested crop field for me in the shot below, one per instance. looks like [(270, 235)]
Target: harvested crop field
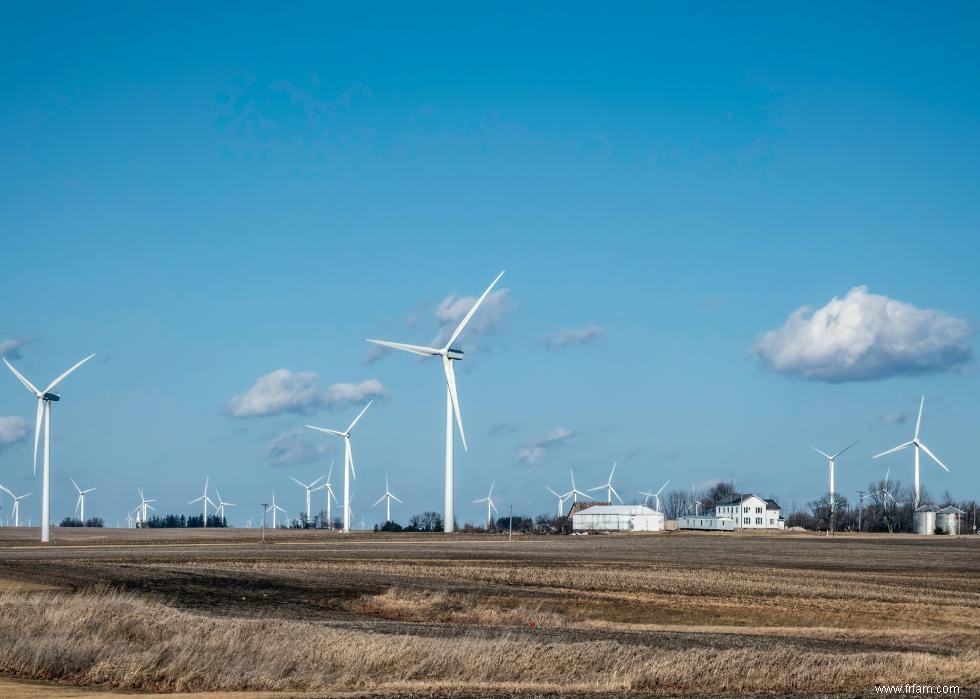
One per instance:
[(321, 614)]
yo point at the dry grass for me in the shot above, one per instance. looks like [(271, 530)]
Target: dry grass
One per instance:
[(107, 638)]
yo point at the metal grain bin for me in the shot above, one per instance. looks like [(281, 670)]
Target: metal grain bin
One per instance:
[(949, 518), (924, 520)]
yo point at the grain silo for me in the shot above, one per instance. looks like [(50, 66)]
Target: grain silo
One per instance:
[(948, 519), (924, 520)]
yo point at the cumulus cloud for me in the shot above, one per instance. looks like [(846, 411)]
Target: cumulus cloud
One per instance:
[(10, 347), (863, 337), (285, 391), (573, 336), (488, 320), (12, 430), (535, 452), (295, 447)]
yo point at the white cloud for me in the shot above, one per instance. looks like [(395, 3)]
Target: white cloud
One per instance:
[(489, 320), (863, 337), (12, 430), (293, 448), (573, 336), (285, 391), (535, 452), (10, 347)]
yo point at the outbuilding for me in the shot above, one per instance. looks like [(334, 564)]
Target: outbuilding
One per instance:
[(618, 518)]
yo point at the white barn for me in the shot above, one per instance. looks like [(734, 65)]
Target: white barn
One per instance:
[(618, 518), (750, 511), (707, 523)]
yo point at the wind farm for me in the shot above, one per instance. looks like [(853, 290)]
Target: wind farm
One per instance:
[(465, 351)]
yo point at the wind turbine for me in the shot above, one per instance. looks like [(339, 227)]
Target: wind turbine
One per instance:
[(489, 500), (129, 519), (143, 507), (273, 507), (610, 491), (449, 354), (44, 400), (348, 463), (561, 500), (390, 496), (917, 443), (832, 462), (655, 495), (309, 489), (16, 509), (574, 492), (80, 504), (222, 505), (328, 486), (204, 500)]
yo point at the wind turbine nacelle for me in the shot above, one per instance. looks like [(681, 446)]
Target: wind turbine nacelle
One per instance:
[(454, 353), (51, 396)]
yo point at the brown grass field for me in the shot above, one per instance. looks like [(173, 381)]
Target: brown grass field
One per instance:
[(321, 614)]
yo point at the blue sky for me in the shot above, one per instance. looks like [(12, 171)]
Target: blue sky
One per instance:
[(203, 197)]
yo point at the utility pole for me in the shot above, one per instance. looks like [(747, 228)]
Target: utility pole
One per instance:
[(860, 508), (510, 526), (265, 508)]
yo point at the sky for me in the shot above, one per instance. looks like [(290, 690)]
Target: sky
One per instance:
[(728, 232)]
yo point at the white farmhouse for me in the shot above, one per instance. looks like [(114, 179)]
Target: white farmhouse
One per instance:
[(750, 511), (618, 518)]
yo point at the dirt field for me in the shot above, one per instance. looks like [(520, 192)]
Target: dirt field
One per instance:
[(320, 614)]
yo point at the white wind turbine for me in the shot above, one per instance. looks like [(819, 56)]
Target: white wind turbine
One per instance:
[(80, 504), (204, 500), (15, 513), (918, 445), (44, 400), (449, 354), (655, 495), (348, 462), (222, 505), (490, 506), (561, 500), (608, 487), (309, 487), (273, 507), (389, 496), (832, 462), (575, 492), (143, 507), (129, 519), (328, 487)]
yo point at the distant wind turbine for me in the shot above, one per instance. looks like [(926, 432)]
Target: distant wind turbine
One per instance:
[(655, 495), (222, 505), (561, 500), (80, 503), (918, 445), (575, 492), (349, 470), (608, 487), (15, 513), (309, 487), (143, 507), (490, 506), (204, 500), (389, 496), (273, 507), (328, 487), (832, 462), (449, 354), (44, 400)]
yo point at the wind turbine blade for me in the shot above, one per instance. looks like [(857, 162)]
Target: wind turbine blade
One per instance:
[(301, 485), (330, 472), (493, 506), (451, 382), (76, 485), (20, 377), (845, 448), (598, 487), (65, 375), (315, 482), (491, 488), (324, 429), (613, 490), (395, 497), (893, 449), (379, 501), (37, 431), (189, 502), (822, 453), (552, 492), (613, 471), (7, 491), (662, 487), (466, 318), (359, 416), (350, 456), (932, 456), (918, 420), (415, 349)]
